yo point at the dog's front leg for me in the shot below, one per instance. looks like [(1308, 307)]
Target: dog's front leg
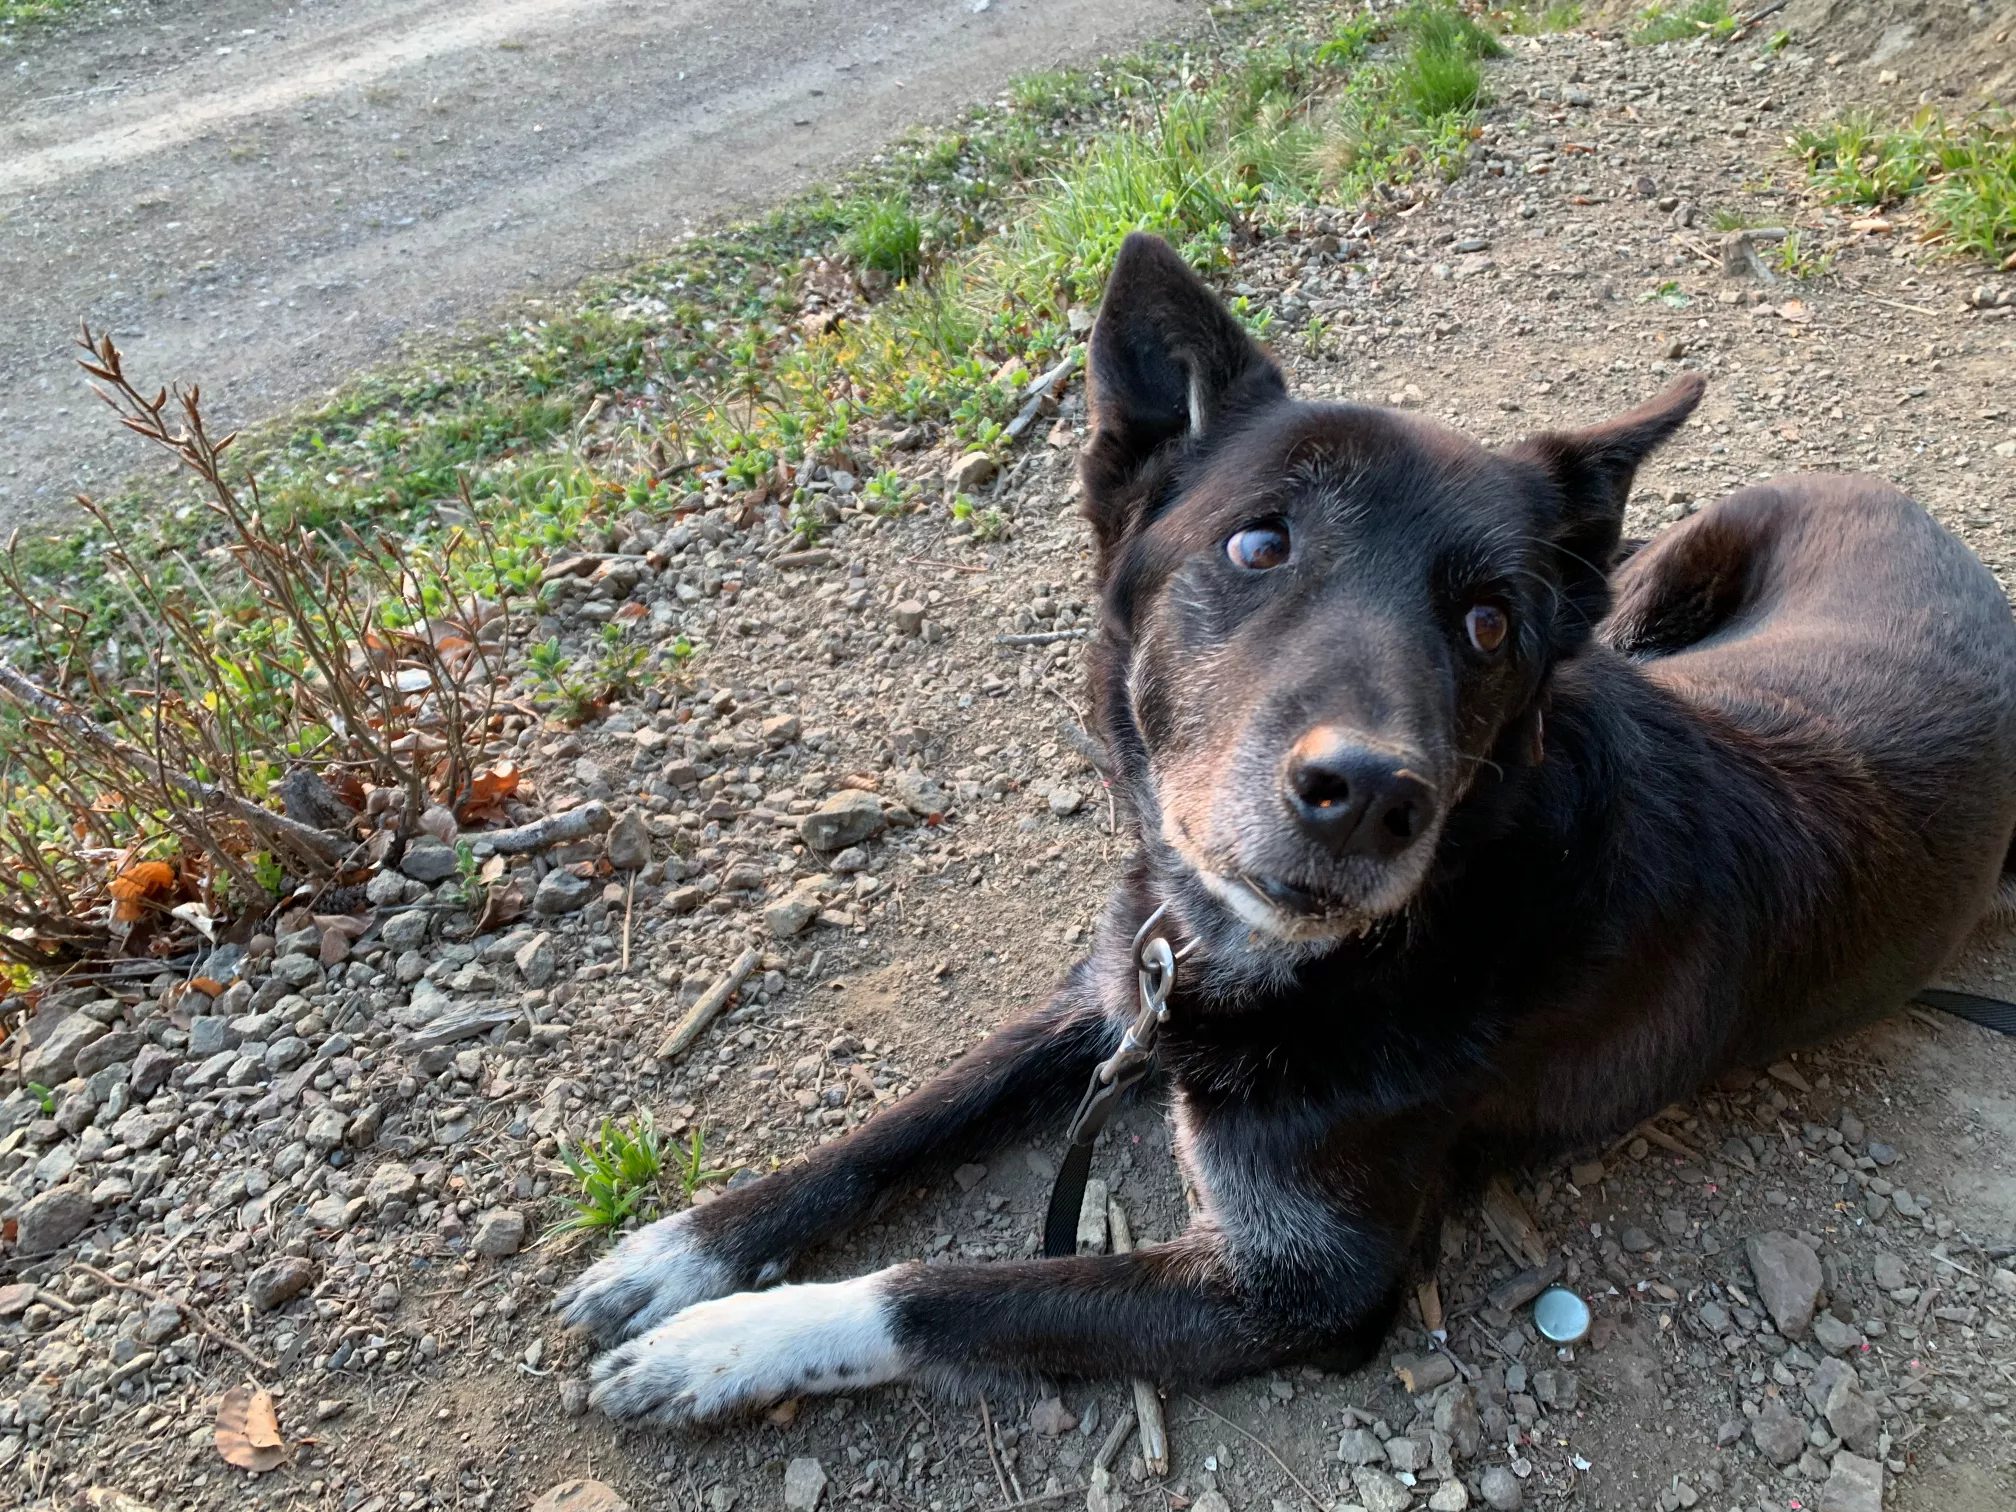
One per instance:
[(1172, 1313), (1024, 1078)]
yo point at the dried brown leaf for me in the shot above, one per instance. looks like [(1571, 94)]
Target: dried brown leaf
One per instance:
[(248, 1430)]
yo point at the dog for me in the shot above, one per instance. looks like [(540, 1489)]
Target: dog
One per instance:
[(1483, 847)]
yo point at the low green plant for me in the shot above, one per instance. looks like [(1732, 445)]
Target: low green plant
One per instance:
[(1962, 172), (17, 12), (1794, 261), (1532, 18), (1739, 220), (693, 1172), (1435, 82), (886, 493), (617, 1171), (885, 234), (1700, 18)]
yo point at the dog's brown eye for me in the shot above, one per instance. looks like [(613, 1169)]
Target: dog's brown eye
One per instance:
[(1487, 625), (1259, 548)]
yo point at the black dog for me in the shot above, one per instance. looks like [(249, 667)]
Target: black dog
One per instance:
[(1473, 873)]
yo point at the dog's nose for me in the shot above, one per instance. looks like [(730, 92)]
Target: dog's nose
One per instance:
[(1355, 798)]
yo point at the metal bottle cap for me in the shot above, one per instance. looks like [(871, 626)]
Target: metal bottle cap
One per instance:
[(1561, 1316)]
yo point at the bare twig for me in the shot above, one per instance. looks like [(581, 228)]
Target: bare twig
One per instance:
[(1041, 638), (697, 1017), (188, 1310), (987, 1438), (629, 903), (1147, 1400), (555, 829), (327, 848)]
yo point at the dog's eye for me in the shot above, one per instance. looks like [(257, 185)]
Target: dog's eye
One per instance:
[(1487, 626), (1259, 547)]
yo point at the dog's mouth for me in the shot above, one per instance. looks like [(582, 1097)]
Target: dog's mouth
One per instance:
[(1289, 910)]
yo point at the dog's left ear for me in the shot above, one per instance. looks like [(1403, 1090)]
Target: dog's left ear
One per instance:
[(1592, 471), (1167, 361)]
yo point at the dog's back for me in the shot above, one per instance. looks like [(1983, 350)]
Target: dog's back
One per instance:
[(1835, 634)]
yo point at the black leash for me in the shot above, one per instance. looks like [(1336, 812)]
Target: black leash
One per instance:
[(1155, 973), (1988, 1012)]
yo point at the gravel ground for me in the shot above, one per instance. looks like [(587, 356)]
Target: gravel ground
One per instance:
[(1802, 1280)]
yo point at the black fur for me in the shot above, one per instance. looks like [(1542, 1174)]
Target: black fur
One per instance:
[(1760, 803)]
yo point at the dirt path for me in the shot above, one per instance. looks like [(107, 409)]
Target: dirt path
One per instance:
[(276, 199)]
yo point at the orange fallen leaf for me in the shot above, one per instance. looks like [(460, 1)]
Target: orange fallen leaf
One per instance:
[(1793, 310), (488, 790), (137, 886), (208, 986), (631, 611), (248, 1430)]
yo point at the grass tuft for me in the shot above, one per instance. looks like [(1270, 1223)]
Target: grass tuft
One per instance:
[(885, 234), (1701, 18), (1963, 173)]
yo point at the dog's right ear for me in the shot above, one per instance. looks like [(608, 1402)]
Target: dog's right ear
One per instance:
[(1168, 361)]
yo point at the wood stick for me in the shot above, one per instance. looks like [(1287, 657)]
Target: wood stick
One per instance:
[(987, 1438), (329, 849), (629, 901), (702, 1013), (1147, 1401), (188, 1310), (1507, 1219), (576, 824), (1122, 1427), (1041, 638)]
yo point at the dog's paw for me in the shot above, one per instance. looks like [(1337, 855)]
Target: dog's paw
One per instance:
[(750, 1350), (659, 1271)]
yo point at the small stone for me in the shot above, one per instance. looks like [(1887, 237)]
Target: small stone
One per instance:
[(1854, 1419), (535, 961), (969, 1176), (1586, 1173), (210, 1034), (573, 1396), (151, 1068), (55, 1059), (1854, 1485), (1380, 1492), (1778, 1435), (428, 860), (161, 1322), (804, 1484), (405, 931), (1212, 1500), (107, 1050), (847, 818), (286, 1053), (628, 842), (1456, 1416), (1834, 1336), (1065, 801), (1500, 1489), (328, 1409), (391, 1182), (2003, 1280), (910, 617), (1635, 1240), (325, 1129), (499, 1232), (791, 914), (331, 1213), (278, 1281), (1890, 1272), (580, 1496), (560, 891), (1360, 1446), (974, 470), (1450, 1496), (1788, 1280), (1050, 1417), (1407, 1454)]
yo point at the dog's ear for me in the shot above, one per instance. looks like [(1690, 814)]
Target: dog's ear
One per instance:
[(1167, 361), (1592, 471)]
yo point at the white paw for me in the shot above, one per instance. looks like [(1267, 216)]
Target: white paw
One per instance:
[(752, 1349), (660, 1270)]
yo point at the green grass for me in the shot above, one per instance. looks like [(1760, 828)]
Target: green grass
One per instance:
[(1532, 18), (1702, 18), (617, 1171), (17, 12), (1960, 174), (885, 234)]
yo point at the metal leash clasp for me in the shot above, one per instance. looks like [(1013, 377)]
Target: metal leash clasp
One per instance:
[(1155, 978)]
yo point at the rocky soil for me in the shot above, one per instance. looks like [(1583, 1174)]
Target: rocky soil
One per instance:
[(330, 1177)]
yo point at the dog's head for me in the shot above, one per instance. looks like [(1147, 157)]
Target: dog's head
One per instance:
[(1323, 621)]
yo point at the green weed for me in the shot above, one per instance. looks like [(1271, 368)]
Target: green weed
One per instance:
[(887, 235), (693, 1173), (617, 1171), (1962, 172), (1701, 18), (1526, 18)]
